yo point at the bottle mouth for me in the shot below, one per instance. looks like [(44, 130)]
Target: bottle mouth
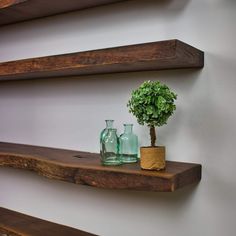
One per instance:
[(109, 120), (128, 124)]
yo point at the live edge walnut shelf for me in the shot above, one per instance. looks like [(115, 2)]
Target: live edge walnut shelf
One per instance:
[(13, 11), (16, 224), (85, 168), (169, 54)]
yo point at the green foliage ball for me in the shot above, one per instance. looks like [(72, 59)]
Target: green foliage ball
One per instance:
[(152, 103)]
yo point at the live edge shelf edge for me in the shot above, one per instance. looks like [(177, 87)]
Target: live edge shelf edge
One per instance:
[(85, 168), (168, 54)]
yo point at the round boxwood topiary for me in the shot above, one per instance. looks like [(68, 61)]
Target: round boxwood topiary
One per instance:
[(152, 104)]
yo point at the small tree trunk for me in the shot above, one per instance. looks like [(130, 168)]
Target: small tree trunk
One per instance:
[(153, 135)]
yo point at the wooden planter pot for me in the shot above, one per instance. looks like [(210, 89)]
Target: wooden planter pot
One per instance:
[(152, 158)]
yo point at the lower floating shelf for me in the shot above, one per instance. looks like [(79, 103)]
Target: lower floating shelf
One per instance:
[(16, 224), (85, 168)]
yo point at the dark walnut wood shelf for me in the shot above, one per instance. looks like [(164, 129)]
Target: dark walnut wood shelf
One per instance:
[(85, 168), (16, 224), (169, 54), (13, 11)]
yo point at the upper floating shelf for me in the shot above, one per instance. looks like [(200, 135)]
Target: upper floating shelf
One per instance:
[(169, 54), (85, 168), (13, 11)]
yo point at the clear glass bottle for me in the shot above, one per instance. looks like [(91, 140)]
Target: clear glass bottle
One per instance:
[(109, 125), (110, 148), (128, 145)]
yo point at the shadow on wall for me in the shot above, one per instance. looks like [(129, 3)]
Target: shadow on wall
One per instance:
[(178, 199), (97, 84), (73, 205), (158, 201), (161, 201), (175, 5)]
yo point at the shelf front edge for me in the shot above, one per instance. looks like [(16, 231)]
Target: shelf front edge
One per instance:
[(65, 165), (169, 54)]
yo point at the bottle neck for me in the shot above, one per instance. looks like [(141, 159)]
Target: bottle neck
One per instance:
[(111, 131), (109, 124), (128, 128)]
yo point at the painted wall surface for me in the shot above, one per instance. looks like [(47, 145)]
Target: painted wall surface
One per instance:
[(70, 113)]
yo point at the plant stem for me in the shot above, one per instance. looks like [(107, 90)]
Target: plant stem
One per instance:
[(153, 135)]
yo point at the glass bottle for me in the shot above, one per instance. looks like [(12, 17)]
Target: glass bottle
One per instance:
[(128, 145), (110, 148), (109, 125)]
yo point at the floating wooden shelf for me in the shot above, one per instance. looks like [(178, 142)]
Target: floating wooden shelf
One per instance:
[(170, 54), (16, 224), (85, 168), (13, 11)]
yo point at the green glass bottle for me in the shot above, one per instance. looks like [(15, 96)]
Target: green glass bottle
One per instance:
[(110, 148), (109, 125), (128, 145)]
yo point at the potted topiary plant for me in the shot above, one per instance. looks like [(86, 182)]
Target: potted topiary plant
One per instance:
[(152, 104)]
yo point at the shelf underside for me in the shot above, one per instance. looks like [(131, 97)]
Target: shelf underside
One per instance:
[(85, 168), (13, 11), (169, 54), (16, 224)]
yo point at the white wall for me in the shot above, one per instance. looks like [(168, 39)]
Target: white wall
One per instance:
[(70, 113)]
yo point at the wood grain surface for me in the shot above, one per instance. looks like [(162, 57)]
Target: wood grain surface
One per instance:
[(169, 54), (16, 224), (85, 168), (9, 3), (13, 11)]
